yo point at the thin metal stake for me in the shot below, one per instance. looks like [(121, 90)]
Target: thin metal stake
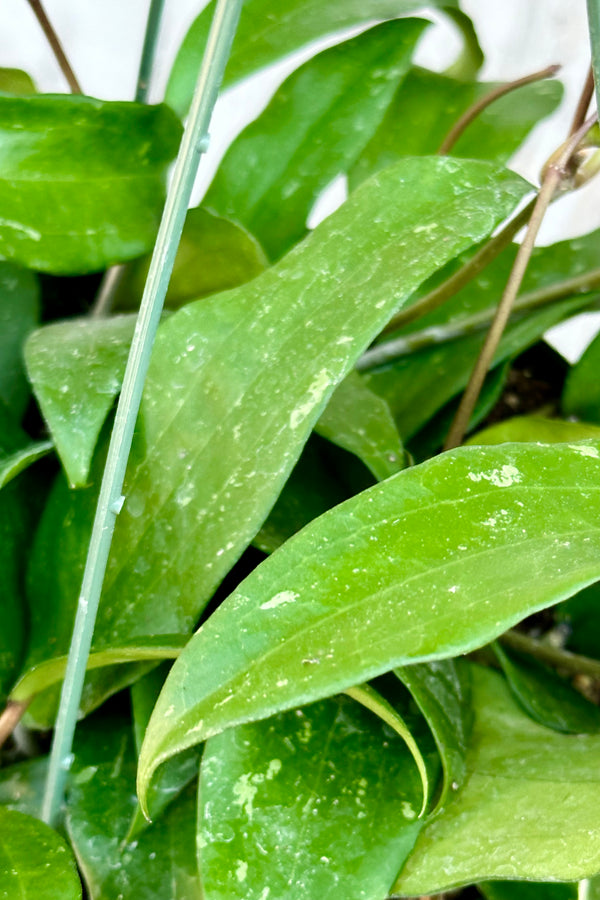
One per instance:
[(110, 501)]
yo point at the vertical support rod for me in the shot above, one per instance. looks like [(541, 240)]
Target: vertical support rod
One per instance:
[(194, 143), (149, 49)]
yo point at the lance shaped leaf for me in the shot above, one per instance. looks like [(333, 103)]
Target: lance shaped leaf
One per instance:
[(315, 127), (236, 384), (35, 863), (76, 369), (265, 34), (528, 809), (426, 106), (432, 563), (320, 802), (82, 181)]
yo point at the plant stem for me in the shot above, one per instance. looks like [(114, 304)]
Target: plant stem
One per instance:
[(106, 292), (555, 173), (110, 501), (55, 44), (149, 49), (584, 102), (471, 269), (477, 108), (417, 340), (10, 718), (555, 656)]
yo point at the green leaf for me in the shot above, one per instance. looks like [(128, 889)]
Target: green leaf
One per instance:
[(214, 254), (545, 696), (82, 181), (161, 861), (442, 690), (523, 890), (35, 863), (17, 450), (360, 421), (235, 386), (536, 428), (426, 106), (527, 811), (76, 369), (19, 313), (320, 802), (433, 562), (264, 36), (436, 354), (15, 81), (581, 395), (22, 785), (314, 128)]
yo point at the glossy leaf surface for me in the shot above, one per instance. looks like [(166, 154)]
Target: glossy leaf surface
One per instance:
[(434, 562), (83, 180), (264, 36), (545, 696), (35, 863), (235, 386), (315, 127), (160, 862), (319, 802), (76, 369), (520, 775), (426, 106), (214, 254), (19, 313), (442, 690), (360, 421)]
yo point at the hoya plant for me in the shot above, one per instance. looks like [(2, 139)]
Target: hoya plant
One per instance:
[(300, 554)]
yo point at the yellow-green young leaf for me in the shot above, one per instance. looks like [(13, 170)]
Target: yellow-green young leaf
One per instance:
[(82, 181), (266, 34), (160, 862), (432, 563), (235, 386), (76, 369), (214, 254), (314, 128), (19, 314), (15, 81), (528, 810), (442, 691), (317, 803), (35, 863), (426, 106), (536, 428)]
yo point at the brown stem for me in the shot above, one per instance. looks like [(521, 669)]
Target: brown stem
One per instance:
[(555, 656), (584, 102), (471, 269), (473, 111), (554, 175), (10, 718), (107, 290), (55, 44)]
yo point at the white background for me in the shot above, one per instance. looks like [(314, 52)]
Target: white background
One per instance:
[(103, 42)]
